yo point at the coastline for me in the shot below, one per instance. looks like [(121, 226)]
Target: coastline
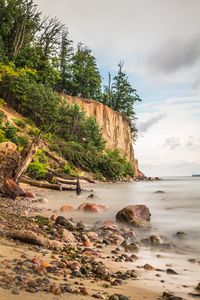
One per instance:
[(150, 284)]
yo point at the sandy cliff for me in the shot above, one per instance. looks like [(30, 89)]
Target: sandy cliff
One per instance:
[(115, 127)]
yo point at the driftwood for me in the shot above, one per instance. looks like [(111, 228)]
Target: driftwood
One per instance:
[(53, 173), (26, 158), (65, 181), (46, 185), (30, 237)]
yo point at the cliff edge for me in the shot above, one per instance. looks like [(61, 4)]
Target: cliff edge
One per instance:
[(115, 127)]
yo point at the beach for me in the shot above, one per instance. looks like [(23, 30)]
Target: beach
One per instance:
[(169, 205)]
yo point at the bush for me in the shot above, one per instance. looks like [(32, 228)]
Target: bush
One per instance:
[(20, 122), (37, 170)]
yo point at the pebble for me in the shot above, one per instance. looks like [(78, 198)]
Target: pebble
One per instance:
[(15, 291), (171, 271)]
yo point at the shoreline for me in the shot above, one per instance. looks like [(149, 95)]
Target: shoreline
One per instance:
[(148, 284)]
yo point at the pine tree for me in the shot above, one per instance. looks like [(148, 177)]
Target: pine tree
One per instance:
[(123, 94), (86, 80), (65, 65)]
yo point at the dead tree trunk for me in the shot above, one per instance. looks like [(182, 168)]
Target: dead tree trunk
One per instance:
[(26, 158)]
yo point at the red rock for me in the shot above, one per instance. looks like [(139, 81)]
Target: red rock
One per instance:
[(30, 195), (67, 208), (66, 235), (92, 207)]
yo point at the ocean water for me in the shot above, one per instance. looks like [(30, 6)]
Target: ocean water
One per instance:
[(177, 209)]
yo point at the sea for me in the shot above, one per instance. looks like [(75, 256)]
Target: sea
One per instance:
[(174, 203)]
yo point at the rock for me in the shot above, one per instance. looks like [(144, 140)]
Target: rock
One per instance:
[(135, 215), (65, 222), (66, 235), (12, 189), (170, 296), (84, 291), (67, 208), (30, 237), (91, 196), (181, 235), (30, 195), (159, 192), (148, 267), (81, 226), (15, 291), (198, 286), (171, 271), (92, 207), (118, 297), (43, 200), (132, 248), (93, 236), (155, 240)]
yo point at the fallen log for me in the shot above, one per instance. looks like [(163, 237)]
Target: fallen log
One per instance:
[(65, 181), (68, 177), (46, 185), (30, 237)]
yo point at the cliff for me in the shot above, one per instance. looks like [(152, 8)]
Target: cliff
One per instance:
[(115, 127)]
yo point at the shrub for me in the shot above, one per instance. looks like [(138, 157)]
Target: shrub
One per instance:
[(20, 122), (37, 170)]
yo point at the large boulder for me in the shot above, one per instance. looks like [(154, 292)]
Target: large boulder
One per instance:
[(92, 207), (135, 215)]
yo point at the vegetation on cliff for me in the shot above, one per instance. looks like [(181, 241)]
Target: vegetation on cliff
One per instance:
[(37, 61)]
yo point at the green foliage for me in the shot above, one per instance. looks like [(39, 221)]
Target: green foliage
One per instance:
[(38, 168), (120, 95), (86, 79), (20, 122)]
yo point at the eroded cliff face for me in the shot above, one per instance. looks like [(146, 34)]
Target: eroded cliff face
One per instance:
[(115, 127)]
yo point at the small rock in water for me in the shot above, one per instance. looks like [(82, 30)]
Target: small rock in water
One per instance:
[(198, 286), (159, 192), (181, 235), (148, 267), (171, 271), (43, 200)]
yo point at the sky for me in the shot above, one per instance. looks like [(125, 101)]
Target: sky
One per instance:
[(159, 42)]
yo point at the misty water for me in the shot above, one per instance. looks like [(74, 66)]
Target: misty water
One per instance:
[(177, 209)]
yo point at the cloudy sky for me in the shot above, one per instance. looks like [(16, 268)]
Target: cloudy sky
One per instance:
[(159, 42)]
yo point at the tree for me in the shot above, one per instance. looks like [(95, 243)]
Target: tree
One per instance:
[(20, 20), (86, 79), (64, 63), (123, 94)]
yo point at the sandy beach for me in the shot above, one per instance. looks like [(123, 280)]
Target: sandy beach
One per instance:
[(149, 282)]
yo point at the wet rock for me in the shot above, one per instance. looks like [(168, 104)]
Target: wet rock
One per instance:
[(171, 271), (91, 196), (135, 215), (170, 296), (118, 297), (93, 236), (198, 286), (155, 240), (43, 200), (84, 291), (81, 226), (148, 267), (31, 290), (99, 296), (92, 207), (181, 235), (65, 222), (67, 208), (132, 247), (159, 192)]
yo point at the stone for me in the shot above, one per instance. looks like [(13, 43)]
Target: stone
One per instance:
[(148, 267), (159, 192), (66, 235), (171, 271), (92, 207), (60, 220), (198, 286), (67, 208), (155, 240), (132, 248), (84, 291), (43, 200), (135, 215), (181, 235), (15, 291)]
